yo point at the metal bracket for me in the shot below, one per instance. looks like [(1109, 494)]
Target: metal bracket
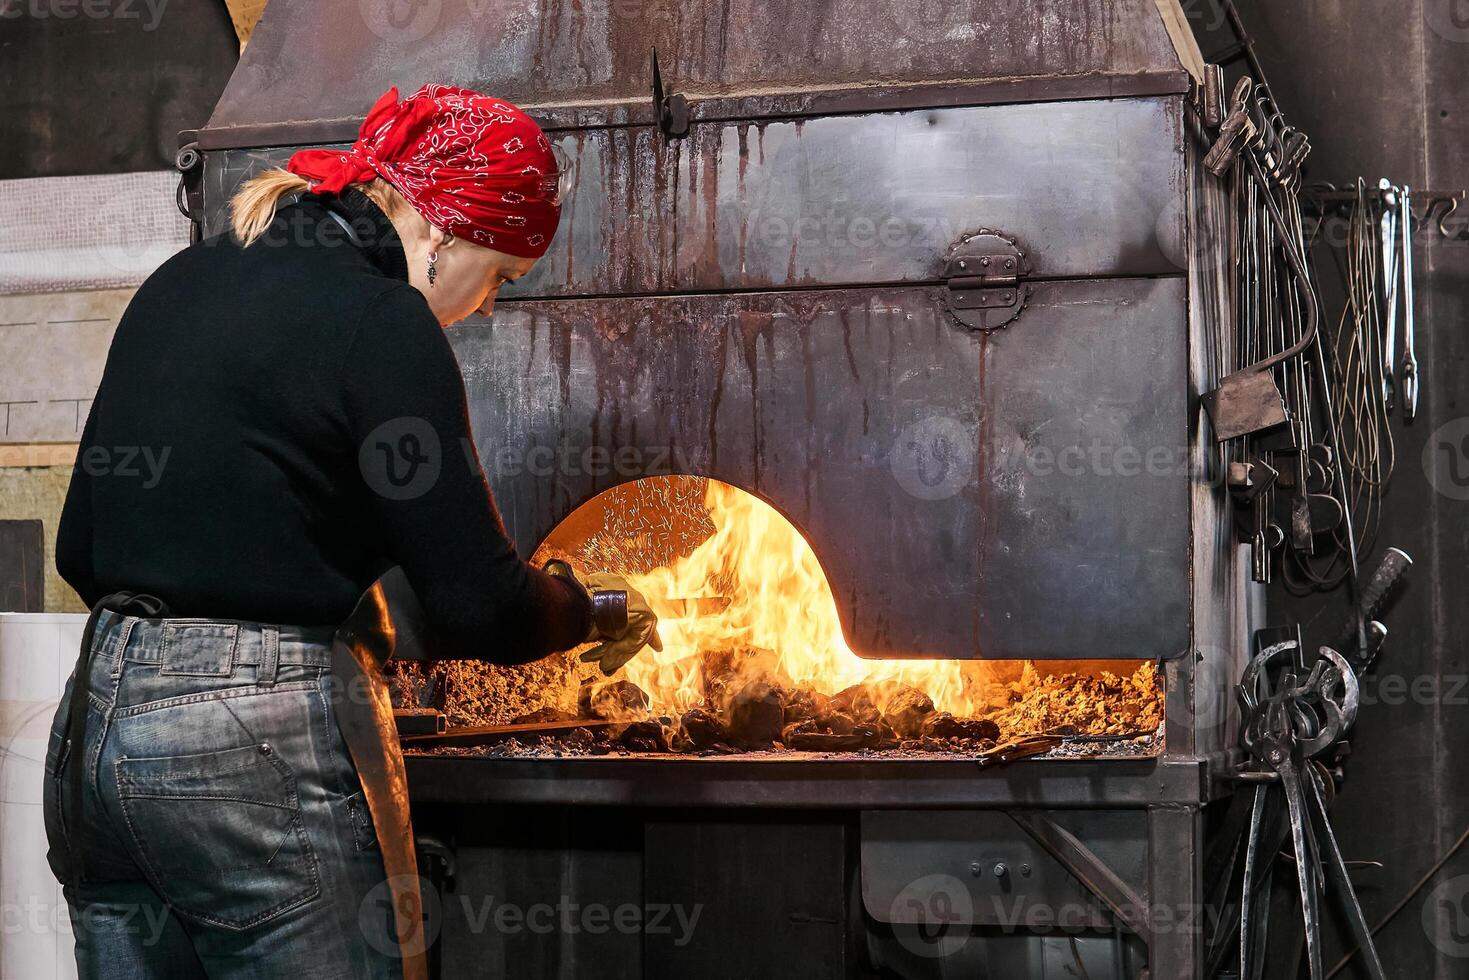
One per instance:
[(671, 111), (189, 163), (1089, 869), (985, 273)]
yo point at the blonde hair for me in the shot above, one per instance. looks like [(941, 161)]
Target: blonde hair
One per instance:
[(254, 205)]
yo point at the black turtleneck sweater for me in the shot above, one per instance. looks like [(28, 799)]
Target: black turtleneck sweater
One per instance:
[(276, 426)]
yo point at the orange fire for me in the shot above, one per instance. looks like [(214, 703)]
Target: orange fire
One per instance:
[(780, 614)]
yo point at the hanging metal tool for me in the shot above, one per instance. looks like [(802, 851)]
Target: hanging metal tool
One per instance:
[(1249, 400), (1410, 356), (1290, 724), (1387, 233)]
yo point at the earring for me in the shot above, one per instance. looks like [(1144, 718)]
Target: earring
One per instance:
[(433, 267)]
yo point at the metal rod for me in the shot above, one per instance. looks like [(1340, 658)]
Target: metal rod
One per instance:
[(1246, 42), (1298, 268)]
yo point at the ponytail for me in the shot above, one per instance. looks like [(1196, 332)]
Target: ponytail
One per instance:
[(254, 205)]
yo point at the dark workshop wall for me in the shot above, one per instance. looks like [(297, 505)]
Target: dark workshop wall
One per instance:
[(105, 86), (1382, 87)]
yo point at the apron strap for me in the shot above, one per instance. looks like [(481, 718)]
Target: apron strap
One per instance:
[(387, 622)]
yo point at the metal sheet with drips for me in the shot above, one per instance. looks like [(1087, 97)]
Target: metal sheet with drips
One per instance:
[(1012, 496)]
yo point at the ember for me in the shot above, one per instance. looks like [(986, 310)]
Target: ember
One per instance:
[(754, 658)]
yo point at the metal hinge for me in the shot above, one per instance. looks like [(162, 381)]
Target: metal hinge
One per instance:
[(985, 274)]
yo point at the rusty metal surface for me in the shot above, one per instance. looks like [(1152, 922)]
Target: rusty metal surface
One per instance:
[(1088, 189), (789, 781), (1201, 714), (762, 301), (317, 66), (814, 398), (1015, 495)]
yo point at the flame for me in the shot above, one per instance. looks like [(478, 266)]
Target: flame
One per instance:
[(781, 615)]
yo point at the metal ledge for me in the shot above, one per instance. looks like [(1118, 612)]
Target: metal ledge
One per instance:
[(805, 783), (732, 108)]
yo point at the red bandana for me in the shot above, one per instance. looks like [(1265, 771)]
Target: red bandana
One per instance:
[(473, 166)]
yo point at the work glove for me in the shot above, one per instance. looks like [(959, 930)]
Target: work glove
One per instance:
[(621, 617)]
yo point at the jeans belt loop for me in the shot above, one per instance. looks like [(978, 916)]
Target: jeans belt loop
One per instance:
[(120, 646), (270, 656)]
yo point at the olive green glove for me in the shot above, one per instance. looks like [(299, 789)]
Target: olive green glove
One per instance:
[(641, 629), (621, 617)]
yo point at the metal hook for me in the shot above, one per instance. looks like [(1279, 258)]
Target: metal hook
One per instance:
[(1453, 205)]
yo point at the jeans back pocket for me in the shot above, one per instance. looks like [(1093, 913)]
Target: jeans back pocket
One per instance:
[(221, 833)]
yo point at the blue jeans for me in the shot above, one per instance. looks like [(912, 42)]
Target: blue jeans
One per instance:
[(223, 831)]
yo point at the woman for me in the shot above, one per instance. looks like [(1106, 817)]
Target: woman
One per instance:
[(310, 431)]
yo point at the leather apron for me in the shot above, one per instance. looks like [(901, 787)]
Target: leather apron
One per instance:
[(387, 622)]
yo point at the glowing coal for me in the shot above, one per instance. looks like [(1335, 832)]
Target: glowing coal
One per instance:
[(753, 652)]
